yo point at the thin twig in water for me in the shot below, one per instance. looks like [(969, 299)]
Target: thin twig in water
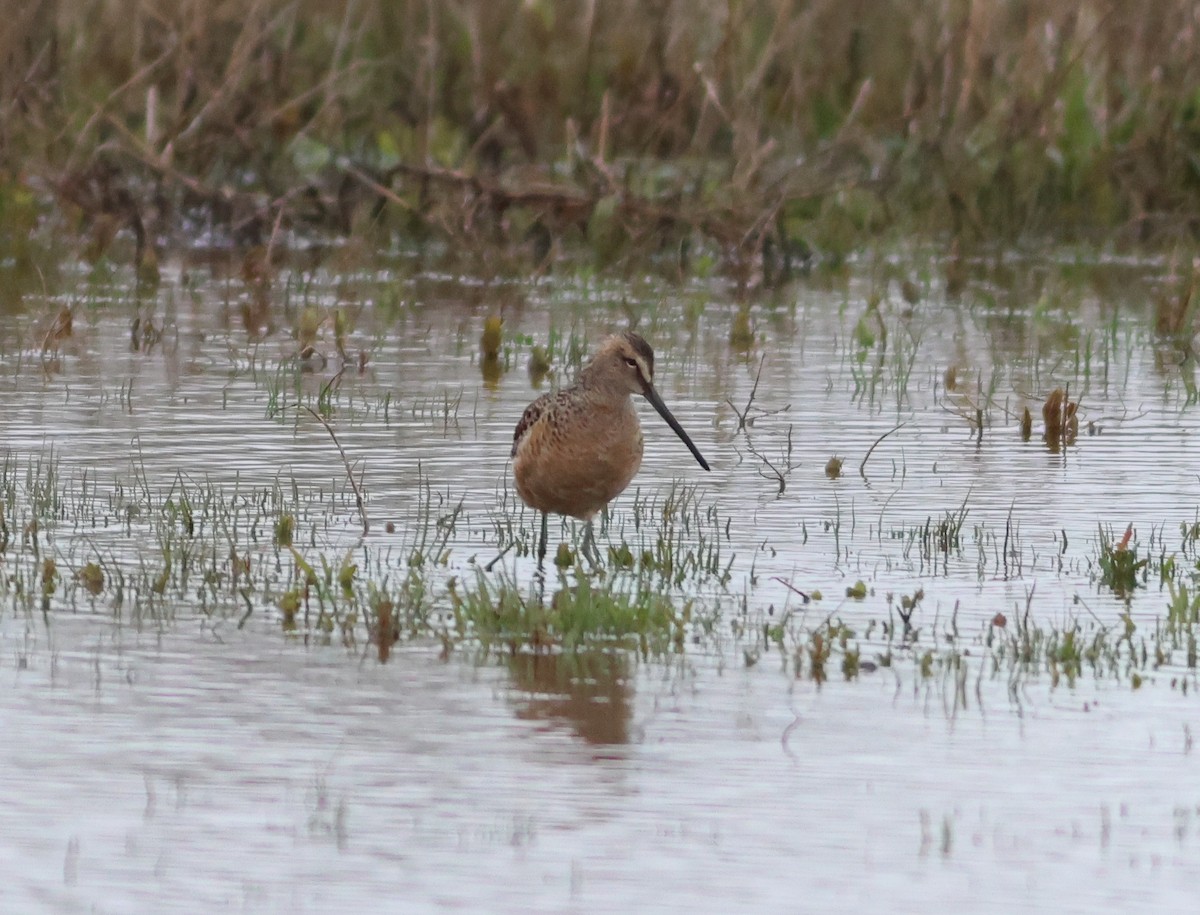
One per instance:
[(862, 468), (245, 593), (491, 565), (787, 584), (786, 737), (1007, 533), (332, 385), (1092, 613), (780, 476), (743, 415), (358, 496)]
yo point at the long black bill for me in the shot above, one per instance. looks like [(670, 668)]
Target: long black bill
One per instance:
[(657, 402)]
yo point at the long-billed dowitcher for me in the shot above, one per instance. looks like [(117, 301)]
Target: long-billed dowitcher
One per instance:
[(576, 450)]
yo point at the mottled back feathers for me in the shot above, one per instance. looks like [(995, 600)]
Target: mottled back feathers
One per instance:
[(576, 450)]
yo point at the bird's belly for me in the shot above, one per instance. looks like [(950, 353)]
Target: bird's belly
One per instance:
[(577, 479)]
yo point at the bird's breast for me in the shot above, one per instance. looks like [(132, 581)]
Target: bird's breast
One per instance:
[(578, 457)]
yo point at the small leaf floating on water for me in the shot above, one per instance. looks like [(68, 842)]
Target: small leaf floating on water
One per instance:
[(833, 467), (999, 620)]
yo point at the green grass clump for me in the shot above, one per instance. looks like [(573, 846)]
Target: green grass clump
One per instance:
[(579, 614), (1120, 568)]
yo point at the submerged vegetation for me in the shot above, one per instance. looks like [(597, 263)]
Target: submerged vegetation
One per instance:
[(255, 554), (481, 144)]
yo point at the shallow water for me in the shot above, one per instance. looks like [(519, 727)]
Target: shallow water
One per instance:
[(153, 757), (249, 774)]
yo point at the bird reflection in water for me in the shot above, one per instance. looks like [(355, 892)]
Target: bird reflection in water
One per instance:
[(588, 691)]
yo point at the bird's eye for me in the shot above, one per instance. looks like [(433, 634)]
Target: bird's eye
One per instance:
[(632, 363)]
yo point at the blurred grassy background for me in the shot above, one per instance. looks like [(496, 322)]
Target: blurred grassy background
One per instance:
[(752, 126)]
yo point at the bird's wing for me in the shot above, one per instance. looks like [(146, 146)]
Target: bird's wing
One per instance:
[(528, 418)]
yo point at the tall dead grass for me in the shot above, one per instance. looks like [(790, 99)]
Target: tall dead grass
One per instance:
[(740, 121)]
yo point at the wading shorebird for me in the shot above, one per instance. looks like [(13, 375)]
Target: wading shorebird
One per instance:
[(576, 450)]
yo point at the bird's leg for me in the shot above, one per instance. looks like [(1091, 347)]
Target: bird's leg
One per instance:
[(588, 547), (542, 540)]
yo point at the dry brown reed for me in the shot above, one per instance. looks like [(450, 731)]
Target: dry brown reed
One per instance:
[(765, 129)]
